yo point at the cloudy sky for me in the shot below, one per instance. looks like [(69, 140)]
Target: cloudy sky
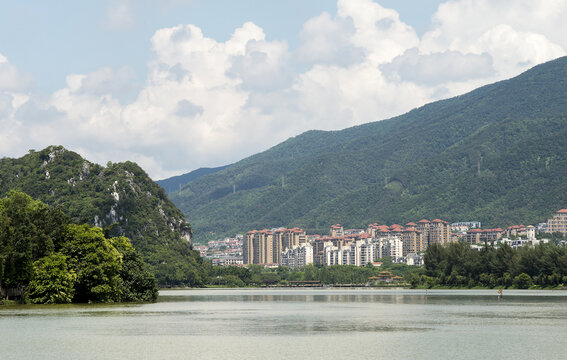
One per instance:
[(180, 84)]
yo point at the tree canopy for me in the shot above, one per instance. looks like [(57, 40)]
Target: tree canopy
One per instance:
[(57, 261)]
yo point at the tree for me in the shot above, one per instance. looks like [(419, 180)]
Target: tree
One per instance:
[(95, 261), (522, 281), (136, 283), (52, 282)]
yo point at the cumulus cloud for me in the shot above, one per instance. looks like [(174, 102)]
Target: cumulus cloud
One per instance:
[(263, 66), (207, 102), (328, 41), (11, 79), (517, 35)]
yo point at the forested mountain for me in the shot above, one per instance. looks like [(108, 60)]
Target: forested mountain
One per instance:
[(175, 183), (120, 198), (496, 155)]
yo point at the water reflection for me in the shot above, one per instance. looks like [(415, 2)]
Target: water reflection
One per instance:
[(365, 296)]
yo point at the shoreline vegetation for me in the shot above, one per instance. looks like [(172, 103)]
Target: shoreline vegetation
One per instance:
[(47, 259)]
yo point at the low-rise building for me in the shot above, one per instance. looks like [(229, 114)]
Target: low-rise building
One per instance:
[(476, 236)]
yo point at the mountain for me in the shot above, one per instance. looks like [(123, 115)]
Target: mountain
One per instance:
[(120, 198), (495, 155), (175, 183)]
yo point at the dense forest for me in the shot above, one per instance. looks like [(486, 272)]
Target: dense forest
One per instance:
[(495, 155), (459, 265), (56, 261), (119, 197)]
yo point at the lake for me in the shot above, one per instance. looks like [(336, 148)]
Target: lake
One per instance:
[(295, 324)]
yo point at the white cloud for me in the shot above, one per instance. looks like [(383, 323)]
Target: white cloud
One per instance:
[(328, 41), (378, 30), (517, 35), (207, 102), (14, 88), (11, 79)]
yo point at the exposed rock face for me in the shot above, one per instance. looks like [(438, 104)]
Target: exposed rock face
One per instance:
[(120, 198)]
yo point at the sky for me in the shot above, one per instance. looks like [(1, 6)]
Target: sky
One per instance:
[(175, 85)]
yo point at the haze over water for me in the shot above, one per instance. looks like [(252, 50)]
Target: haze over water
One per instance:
[(295, 324)]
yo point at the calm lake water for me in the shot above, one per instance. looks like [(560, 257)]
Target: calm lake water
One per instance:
[(295, 324)]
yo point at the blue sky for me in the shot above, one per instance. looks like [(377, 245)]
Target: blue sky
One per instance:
[(54, 38), (179, 84)]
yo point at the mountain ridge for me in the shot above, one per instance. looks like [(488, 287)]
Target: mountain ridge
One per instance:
[(374, 170)]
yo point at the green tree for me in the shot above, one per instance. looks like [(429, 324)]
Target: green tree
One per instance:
[(95, 261), (136, 282), (522, 281), (52, 282)]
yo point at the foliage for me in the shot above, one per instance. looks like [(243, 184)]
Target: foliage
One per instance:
[(136, 282), (459, 265), (52, 282), (495, 155), (256, 275), (95, 261), (56, 261)]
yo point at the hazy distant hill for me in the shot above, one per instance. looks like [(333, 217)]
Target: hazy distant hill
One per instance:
[(175, 183), (119, 197), (496, 154)]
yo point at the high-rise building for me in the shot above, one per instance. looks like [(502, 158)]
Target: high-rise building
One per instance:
[(434, 232), (285, 239), (257, 247), (412, 240)]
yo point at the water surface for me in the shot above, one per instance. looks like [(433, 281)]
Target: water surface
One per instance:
[(295, 324)]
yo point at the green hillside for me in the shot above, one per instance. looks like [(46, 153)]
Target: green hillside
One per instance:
[(496, 154), (120, 198), (175, 183)]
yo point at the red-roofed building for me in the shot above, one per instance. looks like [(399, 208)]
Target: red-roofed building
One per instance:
[(412, 241), (516, 230), (337, 230), (435, 232)]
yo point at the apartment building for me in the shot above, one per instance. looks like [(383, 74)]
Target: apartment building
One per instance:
[(392, 247), (558, 223), (285, 239), (357, 252), (257, 247), (476, 236), (337, 230), (298, 256), (434, 232), (412, 240)]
